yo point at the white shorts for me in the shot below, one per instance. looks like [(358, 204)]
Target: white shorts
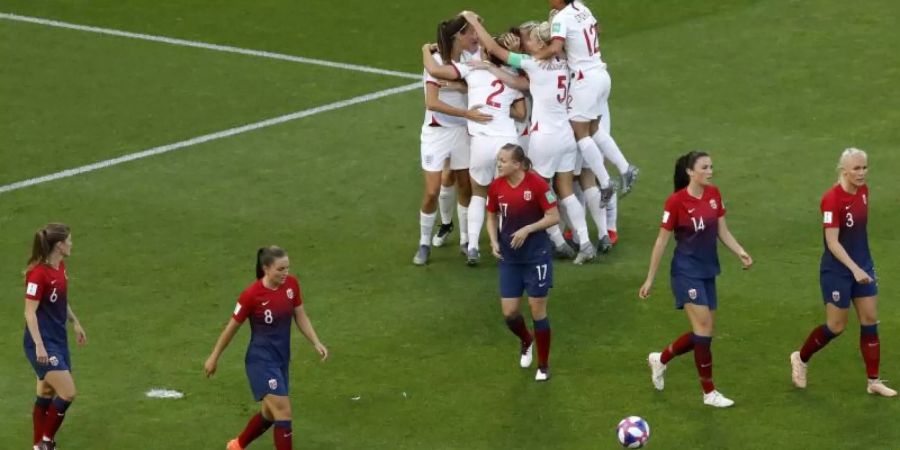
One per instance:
[(552, 152), (441, 143), (483, 163), (588, 95)]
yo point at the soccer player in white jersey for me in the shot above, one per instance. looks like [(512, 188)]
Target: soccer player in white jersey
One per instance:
[(492, 97), (574, 29), (553, 150), (444, 135)]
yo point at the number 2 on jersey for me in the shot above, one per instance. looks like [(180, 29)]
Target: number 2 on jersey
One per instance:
[(593, 44), (500, 88)]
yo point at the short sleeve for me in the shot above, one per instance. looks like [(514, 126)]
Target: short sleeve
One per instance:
[(462, 70), (721, 203), (243, 308), (297, 299), (670, 213), (558, 27), (491, 204), (545, 194), (34, 285), (830, 210)]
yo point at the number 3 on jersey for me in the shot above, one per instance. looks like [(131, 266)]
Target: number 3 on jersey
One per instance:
[(500, 88)]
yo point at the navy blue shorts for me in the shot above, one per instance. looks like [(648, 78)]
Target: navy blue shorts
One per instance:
[(840, 288), (697, 291), (59, 360), (266, 379), (535, 279)]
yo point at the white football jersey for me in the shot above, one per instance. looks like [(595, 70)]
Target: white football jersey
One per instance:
[(495, 98), (449, 96), (576, 25), (549, 86)]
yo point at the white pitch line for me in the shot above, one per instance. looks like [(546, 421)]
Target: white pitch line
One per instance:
[(207, 138), (203, 45)]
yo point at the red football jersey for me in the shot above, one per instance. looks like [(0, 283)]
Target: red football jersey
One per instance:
[(517, 207), (271, 312)]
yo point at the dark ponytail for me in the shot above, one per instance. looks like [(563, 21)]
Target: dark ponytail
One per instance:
[(265, 256), (686, 161), (45, 240), (518, 155), (445, 32)]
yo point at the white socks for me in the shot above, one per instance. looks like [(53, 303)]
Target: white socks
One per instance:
[(610, 150), (445, 203), (575, 216), (612, 212), (476, 219), (462, 215), (556, 236), (426, 224), (592, 198), (594, 160)]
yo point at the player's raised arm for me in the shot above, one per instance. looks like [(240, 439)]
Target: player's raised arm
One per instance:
[(443, 71)]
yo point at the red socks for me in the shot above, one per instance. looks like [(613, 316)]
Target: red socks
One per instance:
[(38, 416), (870, 347), (516, 324), (683, 344), (817, 339), (55, 416), (254, 429), (703, 361), (283, 435), (542, 336)]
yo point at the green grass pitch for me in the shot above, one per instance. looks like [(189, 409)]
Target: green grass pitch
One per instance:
[(773, 89)]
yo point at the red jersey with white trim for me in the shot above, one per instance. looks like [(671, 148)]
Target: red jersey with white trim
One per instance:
[(449, 96), (695, 222), (576, 25), (49, 286), (850, 213), (271, 312), (519, 206)]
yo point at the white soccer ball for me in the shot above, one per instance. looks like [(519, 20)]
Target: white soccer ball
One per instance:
[(634, 432)]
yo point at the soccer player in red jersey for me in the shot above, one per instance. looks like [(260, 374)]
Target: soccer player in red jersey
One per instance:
[(696, 215), (520, 207), (846, 272), (46, 345), (270, 303)]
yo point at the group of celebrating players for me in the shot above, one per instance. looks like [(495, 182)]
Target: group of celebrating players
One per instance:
[(549, 77)]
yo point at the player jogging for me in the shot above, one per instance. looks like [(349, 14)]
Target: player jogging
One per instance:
[(270, 303), (695, 213), (846, 272)]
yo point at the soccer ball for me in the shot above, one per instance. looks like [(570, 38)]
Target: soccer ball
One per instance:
[(633, 432)]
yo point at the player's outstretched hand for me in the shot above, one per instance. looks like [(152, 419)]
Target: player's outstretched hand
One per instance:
[(862, 277), (644, 292), (80, 335), (210, 366), (746, 260), (323, 352)]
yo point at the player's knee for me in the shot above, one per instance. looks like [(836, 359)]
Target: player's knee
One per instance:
[(837, 326)]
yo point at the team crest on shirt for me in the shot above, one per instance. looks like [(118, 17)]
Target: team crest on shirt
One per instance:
[(273, 384), (527, 196), (692, 293), (713, 204), (290, 293), (54, 361), (836, 296)]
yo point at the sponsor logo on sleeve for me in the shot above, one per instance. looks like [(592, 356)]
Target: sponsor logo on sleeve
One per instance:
[(665, 217), (32, 289), (827, 217), (237, 308), (550, 197), (556, 27)]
